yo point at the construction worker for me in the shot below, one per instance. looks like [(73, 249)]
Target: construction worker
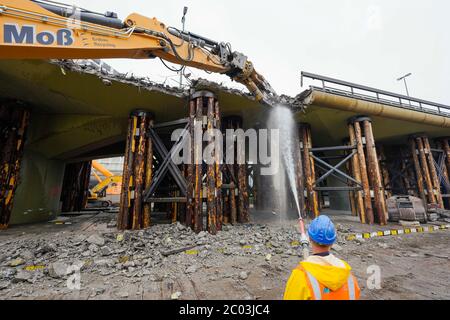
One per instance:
[(322, 276)]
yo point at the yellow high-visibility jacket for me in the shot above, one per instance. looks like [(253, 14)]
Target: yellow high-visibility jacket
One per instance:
[(329, 271)]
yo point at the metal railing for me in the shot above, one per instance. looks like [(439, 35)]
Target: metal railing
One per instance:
[(352, 90)]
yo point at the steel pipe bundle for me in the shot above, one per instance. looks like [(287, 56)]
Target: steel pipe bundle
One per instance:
[(13, 127), (366, 168), (134, 213)]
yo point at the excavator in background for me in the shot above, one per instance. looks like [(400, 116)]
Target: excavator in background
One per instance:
[(106, 188), (43, 29)]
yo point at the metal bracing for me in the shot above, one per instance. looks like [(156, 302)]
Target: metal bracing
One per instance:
[(442, 171), (167, 163), (335, 168), (334, 171)]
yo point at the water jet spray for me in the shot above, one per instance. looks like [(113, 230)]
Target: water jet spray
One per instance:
[(283, 120)]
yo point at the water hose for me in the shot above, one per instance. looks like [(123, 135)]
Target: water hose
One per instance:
[(303, 238)]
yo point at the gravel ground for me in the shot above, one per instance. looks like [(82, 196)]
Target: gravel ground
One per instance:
[(171, 262)]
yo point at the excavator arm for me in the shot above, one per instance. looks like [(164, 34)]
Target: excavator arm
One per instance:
[(103, 184), (97, 166), (38, 29)]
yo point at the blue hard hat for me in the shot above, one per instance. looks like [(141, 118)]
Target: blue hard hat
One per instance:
[(322, 231)]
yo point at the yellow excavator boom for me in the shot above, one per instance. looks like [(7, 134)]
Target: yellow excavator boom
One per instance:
[(104, 184), (102, 169), (39, 29), (110, 179)]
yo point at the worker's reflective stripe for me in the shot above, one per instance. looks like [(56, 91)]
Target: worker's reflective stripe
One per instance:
[(351, 288), (315, 286)]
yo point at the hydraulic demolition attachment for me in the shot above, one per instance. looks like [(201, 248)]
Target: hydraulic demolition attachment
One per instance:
[(38, 29)]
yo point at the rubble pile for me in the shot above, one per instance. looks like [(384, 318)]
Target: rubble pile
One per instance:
[(161, 252)]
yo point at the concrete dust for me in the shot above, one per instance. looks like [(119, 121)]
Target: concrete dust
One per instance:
[(171, 262)]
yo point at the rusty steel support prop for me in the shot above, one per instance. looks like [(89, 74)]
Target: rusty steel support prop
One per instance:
[(446, 147), (418, 170), (235, 179), (239, 210), (211, 173), (218, 170), (433, 172), (233, 206), (352, 195), (300, 178), (364, 175), (426, 171), (139, 173), (261, 190), (82, 196), (374, 174), (205, 107), (148, 177), (198, 178), (308, 163), (445, 177), (357, 175), (307, 168), (125, 195), (87, 177), (75, 187), (226, 207), (174, 205), (133, 213), (406, 178), (14, 122), (316, 205), (190, 205), (243, 215), (229, 178)]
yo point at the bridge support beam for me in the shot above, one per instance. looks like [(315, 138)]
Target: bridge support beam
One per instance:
[(14, 122)]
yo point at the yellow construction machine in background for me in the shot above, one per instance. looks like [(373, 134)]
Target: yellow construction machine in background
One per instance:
[(106, 188)]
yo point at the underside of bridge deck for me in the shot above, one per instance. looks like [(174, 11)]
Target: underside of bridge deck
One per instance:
[(76, 115)]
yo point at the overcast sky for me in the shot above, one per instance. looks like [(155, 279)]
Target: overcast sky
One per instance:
[(364, 41)]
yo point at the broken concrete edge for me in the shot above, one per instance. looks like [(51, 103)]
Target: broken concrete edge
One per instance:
[(147, 84), (140, 82)]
